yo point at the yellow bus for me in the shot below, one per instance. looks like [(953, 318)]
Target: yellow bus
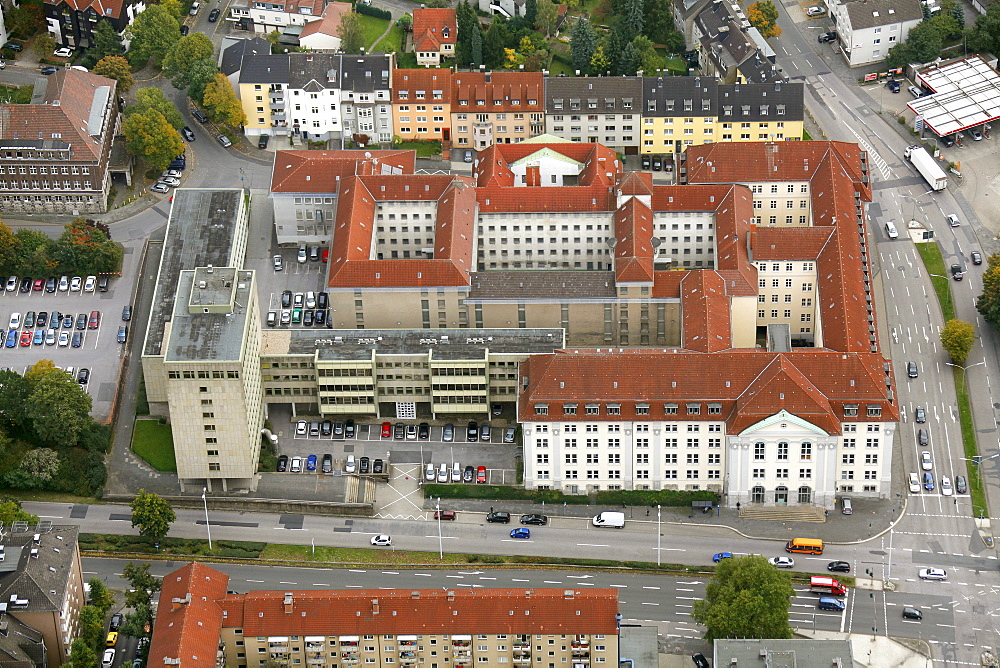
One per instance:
[(805, 545)]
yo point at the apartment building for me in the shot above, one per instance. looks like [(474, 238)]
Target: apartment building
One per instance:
[(366, 96), (496, 108), (421, 104), (286, 17), (41, 583), (604, 110), (867, 29), (435, 34), (730, 49), (262, 82), (201, 354), (72, 22), (430, 627), (678, 112), (55, 151)]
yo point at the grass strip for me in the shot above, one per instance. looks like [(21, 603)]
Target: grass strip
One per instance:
[(154, 442)]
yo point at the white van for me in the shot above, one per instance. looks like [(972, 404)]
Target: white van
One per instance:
[(890, 230), (609, 519), (195, 6), (845, 506)]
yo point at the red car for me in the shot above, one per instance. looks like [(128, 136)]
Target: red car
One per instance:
[(26, 338), (444, 514), (38, 285), (386, 430), (95, 320), (325, 255), (481, 475)]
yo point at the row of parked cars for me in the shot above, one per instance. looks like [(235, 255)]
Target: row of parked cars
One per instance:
[(301, 308), (443, 474), (26, 284)]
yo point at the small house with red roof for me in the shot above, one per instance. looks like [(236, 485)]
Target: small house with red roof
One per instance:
[(435, 33)]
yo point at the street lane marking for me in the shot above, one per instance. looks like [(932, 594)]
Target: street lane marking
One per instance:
[(423, 575), (619, 586), (590, 545), (650, 587), (356, 571), (650, 604)]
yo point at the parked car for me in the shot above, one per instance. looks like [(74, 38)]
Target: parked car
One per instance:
[(815, 11), (262, 141), (50, 285), (481, 475), (188, 133), (382, 540), (893, 85), (282, 463), (411, 432), (301, 427), (520, 532), (213, 16), (326, 428), (509, 434), (224, 140), (364, 465), (349, 465), (117, 620), (378, 466), (349, 429), (469, 474), (13, 46), (159, 188), (430, 472), (199, 116), (95, 320), (831, 37), (311, 463), (77, 339), (49, 70), (423, 431), (782, 562), (122, 333), (399, 431), (386, 429), (448, 433), (445, 515), (472, 432), (498, 517), (535, 519), (914, 91), (83, 376)]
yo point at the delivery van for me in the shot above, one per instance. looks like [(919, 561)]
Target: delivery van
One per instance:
[(609, 519), (890, 230), (805, 545)]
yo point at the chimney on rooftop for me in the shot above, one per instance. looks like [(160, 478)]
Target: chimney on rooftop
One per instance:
[(288, 601)]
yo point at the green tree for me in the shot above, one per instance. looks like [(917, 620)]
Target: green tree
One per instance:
[(138, 620), (142, 587), (747, 598), (25, 20), (149, 136), (494, 42), (221, 102), (91, 625), (175, 8), (16, 390), (649, 59), (151, 514), (599, 62), (190, 49), (629, 60), (153, 33), (763, 16), (467, 24), (9, 251), (630, 23), (582, 45), (153, 98), (957, 338), (42, 463), (658, 20), (202, 73), (45, 45), (405, 22), (988, 302), (35, 250), (10, 512), (984, 35), (84, 249), (351, 33), (60, 410), (117, 68), (82, 654), (530, 12), (477, 48), (546, 17), (100, 597), (956, 11), (107, 41)]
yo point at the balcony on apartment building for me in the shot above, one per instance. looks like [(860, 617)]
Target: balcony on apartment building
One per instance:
[(408, 658), (278, 115), (349, 658), (521, 661)]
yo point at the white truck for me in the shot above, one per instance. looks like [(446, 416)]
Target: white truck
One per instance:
[(609, 519), (927, 166)]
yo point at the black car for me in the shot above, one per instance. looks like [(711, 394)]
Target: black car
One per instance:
[(378, 466), (83, 376), (700, 660), (126, 313), (213, 16), (499, 517), (956, 272), (977, 257), (349, 429), (399, 431), (827, 37), (496, 408), (322, 300), (364, 465), (326, 428), (50, 284), (118, 619), (645, 161), (286, 299), (199, 116), (839, 567), (282, 463), (946, 141), (534, 518), (14, 46), (41, 319), (472, 432), (469, 474), (188, 133), (657, 163), (81, 321), (912, 613), (25, 284), (49, 70), (178, 164), (123, 334), (423, 431), (102, 284), (327, 465), (320, 317), (961, 486), (77, 339), (308, 317), (185, 29), (262, 141)]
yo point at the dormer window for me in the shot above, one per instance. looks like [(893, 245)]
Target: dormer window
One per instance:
[(421, 94), (569, 409), (497, 102), (532, 101), (404, 95), (850, 410), (746, 109), (557, 103), (626, 103)]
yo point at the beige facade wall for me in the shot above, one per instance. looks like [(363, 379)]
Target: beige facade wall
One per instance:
[(741, 311), (257, 107), (480, 130), (436, 121), (782, 203), (787, 294), (427, 650)]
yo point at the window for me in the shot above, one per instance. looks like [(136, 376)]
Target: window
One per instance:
[(758, 450), (805, 451)]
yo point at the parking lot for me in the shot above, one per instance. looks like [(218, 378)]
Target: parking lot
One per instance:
[(78, 338)]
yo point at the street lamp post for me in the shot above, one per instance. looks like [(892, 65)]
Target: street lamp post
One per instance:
[(208, 527), (965, 369), (440, 545), (657, 534), (914, 198)]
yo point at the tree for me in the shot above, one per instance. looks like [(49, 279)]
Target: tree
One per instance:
[(957, 338), (202, 73), (405, 22), (34, 249), (142, 587), (763, 16), (10, 512), (649, 59), (117, 68), (582, 44), (138, 620), (988, 303), (9, 251), (221, 102), (59, 409), (86, 249), (190, 49), (100, 596), (82, 654), (599, 62), (25, 20), (658, 20), (107, 41), (476, 59), (747, 598), (91, 625), (351, 33), (150, 98), (151, 514), (175, 8), (530, 12), (45, 45), (16, 391), (546, 17), (42, 463), (494, 42), (984, 35), (630, 23), (537, 61), (149, 136), (467, 24), (153, 33), (956, 12), (629, 60)]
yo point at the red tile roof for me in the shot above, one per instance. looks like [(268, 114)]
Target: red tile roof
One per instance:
[(321, 171), (188, 619), (497, 199), (428, 80), (706, 318), (633, 252), (499, 92), (333, 15), (434, 27), (110, 8), (424, 611), (813, 382), (788, 243), (600, 164)]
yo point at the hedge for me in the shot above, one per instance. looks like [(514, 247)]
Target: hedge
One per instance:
[(372, 11), (663, 497), (502, 492)]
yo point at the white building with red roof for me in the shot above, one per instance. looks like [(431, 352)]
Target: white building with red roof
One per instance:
[(435, 34)]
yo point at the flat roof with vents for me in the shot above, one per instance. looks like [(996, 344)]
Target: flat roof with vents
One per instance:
[(966, 93)]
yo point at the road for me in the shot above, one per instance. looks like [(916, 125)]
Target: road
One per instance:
[(644, 599)]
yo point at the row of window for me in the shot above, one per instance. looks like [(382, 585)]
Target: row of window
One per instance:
[(641, 474), (640, 443), (42, 169), (35, 184), (640, 409), (640, 458)]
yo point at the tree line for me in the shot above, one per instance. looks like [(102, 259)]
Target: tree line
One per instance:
[(81, 250)]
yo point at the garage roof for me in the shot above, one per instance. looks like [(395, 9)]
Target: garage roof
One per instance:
[(966, 93)]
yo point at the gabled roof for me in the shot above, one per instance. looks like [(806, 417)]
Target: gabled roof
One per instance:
[(633, 252), (783, 243), (498, 92), (322, 171), (407, 83), (873, 13), (188, 618), (706, 317), (599, 163), (108, 8), (782, 385), (433, 27), (264, 68), (234, 55), (333, 15)]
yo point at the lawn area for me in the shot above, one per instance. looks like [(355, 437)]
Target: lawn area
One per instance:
[(806, 136), (934, 263), (154, 443), (424, 149), (372, 29), (393, 42), (675, 64), (358, 555), (16, 95), (406, 60)]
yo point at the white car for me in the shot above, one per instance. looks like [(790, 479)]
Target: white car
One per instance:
[(443, 473), (430, 473), (953, 220), (90, 284), (932, 574), (914, 483), (382, 540), (50, 337), (302, 257), (782, 562), (300, 428), (75, 284), (349, 465), (63, 339), (815, 11), (63, 283), (12, 284), (176, 173), (63, 52), (456, 472), (171, 181), (946, 488), (15, 321), (926, 463), (296, 465), (159, 188)]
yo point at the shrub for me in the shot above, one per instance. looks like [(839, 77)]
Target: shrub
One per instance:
[(373, 11), (664, 497)]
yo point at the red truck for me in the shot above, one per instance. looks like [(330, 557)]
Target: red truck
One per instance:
[(824, 585)]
